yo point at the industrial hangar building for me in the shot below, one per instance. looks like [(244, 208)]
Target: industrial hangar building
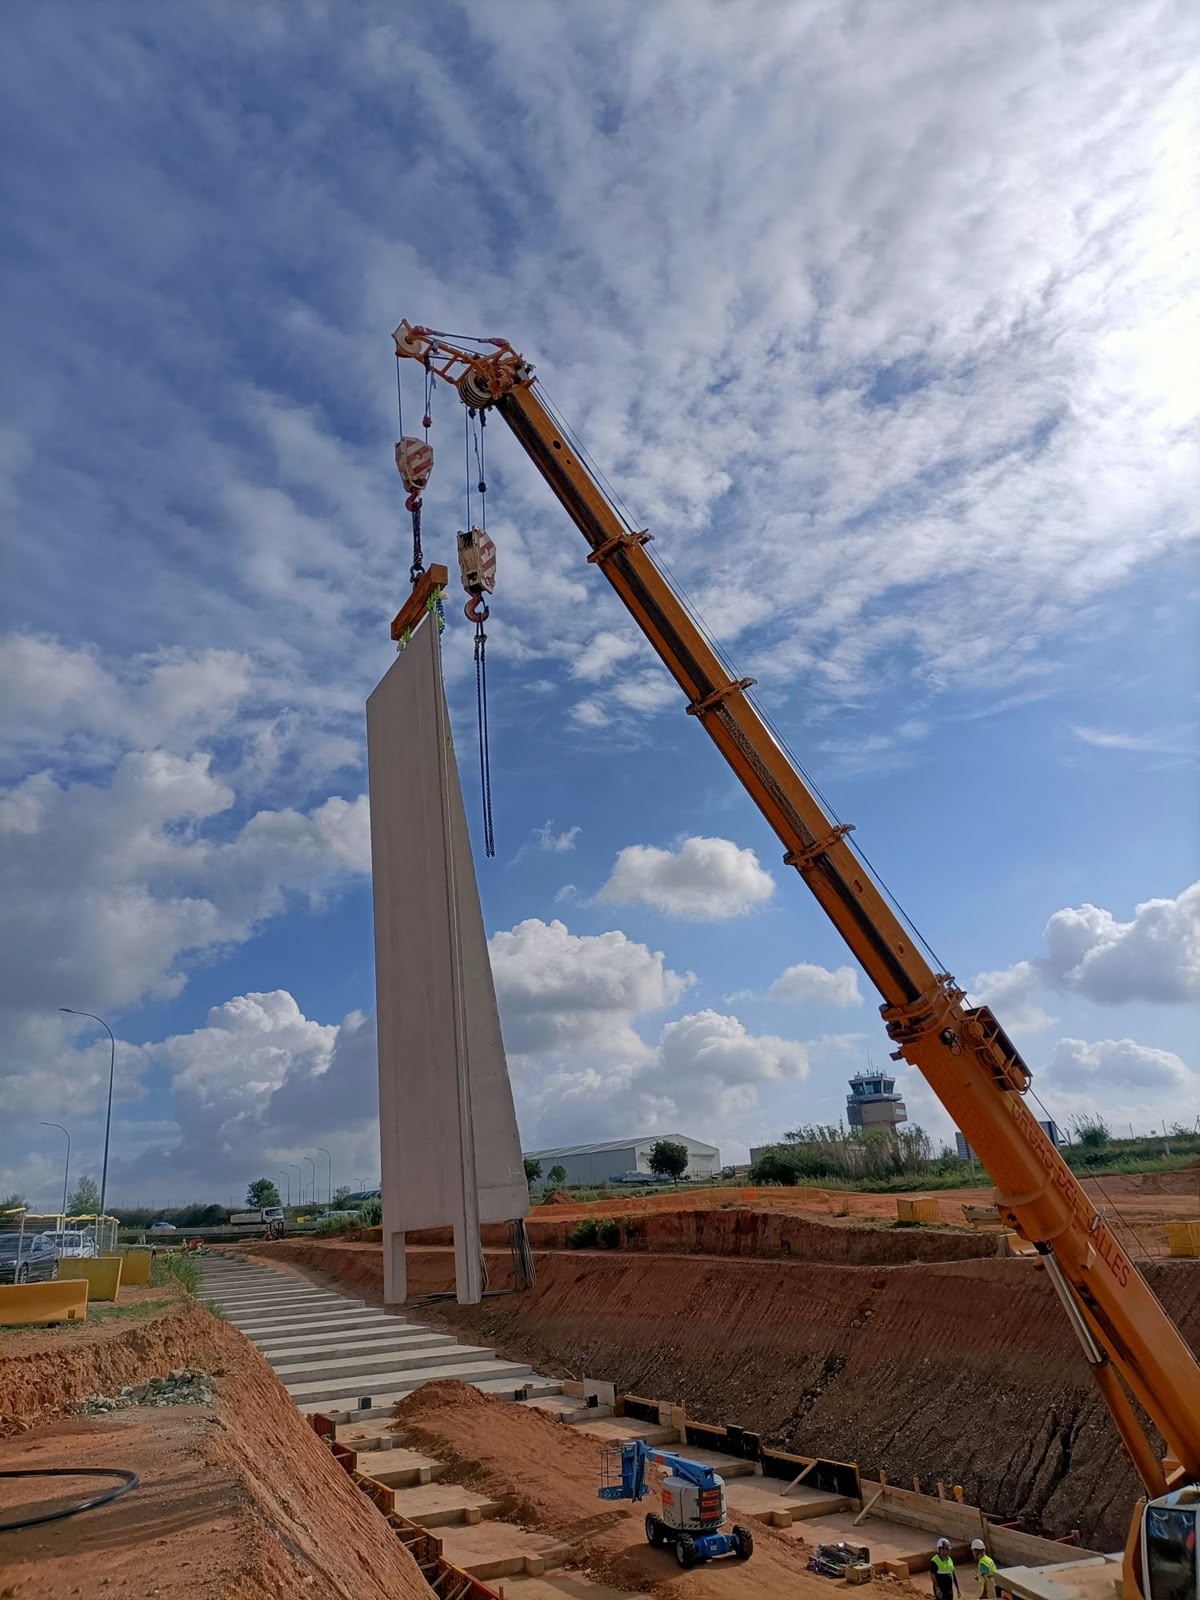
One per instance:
[(609, 1160)]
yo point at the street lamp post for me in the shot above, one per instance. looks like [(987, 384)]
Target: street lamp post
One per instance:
[(67, 1168), (313, 1165), (299, 1171), (287, 1178), (329, 1183), (112, 1064)]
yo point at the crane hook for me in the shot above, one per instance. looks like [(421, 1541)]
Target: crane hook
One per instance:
[(476, 609)]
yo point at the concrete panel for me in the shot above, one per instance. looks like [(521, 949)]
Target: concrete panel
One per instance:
[(101, 1273), (22, 1303), (136, 1269), (449, 1147)]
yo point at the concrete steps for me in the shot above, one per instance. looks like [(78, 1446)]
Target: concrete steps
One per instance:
[(330, 1351)]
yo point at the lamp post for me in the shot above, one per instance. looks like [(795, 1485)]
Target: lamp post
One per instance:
[(299, 1171), (112, 1064), (329, 1183), (67, 1168), (313, 1165), (287, 1178)]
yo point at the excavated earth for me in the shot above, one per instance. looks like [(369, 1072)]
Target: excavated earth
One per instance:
[(238, 1498), (963, 1371)]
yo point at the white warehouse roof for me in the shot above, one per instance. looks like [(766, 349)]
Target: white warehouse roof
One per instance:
[(598, 1147)]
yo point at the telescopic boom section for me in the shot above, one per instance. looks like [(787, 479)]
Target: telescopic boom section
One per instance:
[(969, 1061)]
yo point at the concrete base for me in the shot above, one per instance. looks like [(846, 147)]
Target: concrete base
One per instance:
[(615, 1430), (763, 1498), (399, 1469), (440, 1504), (497, 1550), (561, 1585)]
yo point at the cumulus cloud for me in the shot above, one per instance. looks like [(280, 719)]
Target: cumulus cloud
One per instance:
[(1152, 957), (1122, 1080), (817, 985), (569, 993), (703, 880), (603, 652), (112, 886)]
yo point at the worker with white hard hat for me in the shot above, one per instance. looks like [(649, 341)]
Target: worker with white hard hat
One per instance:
[(945, 1579), (986, 1568)]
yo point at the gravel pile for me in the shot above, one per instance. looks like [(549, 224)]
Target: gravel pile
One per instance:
[(182, 1387)]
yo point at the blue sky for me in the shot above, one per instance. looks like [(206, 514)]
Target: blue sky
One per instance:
[(881, 318)]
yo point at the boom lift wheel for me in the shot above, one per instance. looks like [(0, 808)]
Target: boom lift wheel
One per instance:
[(743, 1542), (653, 1530), (685, 1550)]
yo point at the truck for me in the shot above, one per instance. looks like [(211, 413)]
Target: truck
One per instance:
[(269, 1217), (1136, 1355)]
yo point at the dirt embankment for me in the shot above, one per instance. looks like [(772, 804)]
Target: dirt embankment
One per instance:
[(237, 1501), (552, 1474), (963, 1371)]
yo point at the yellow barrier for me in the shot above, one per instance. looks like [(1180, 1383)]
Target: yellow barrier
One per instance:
[(916, 1208), (43, 1302), (135, 1268), (103, 1274), (1183, 1238)]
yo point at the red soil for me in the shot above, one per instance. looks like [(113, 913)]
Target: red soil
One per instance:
[(238, 1501)]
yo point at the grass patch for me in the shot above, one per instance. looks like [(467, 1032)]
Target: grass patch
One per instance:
[(176, 1268), (583, 1235)]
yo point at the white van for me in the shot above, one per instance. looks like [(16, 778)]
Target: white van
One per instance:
[(71, 1243)]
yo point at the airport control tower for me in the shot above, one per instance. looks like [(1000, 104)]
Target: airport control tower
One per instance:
[(873, 1101)]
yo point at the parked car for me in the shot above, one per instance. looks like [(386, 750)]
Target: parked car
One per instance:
[(162, 1227), (26, 1258), (72, 1243)]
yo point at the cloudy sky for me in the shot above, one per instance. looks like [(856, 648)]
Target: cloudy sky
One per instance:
[(881, 316)]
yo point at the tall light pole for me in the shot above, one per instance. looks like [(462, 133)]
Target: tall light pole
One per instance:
[(67, 1168), (287, 1178), (112, 1064), (329, 1184), (313, 1165), (299, 1171)]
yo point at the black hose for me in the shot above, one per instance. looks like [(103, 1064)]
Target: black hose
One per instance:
[(130, 1481)]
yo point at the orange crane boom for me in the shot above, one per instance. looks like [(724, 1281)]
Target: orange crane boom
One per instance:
[(969, 1061)]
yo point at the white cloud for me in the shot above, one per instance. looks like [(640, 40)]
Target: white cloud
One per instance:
[(545, 838), (577, 993), (704, 880), (589, 714), (602, 653), (1182, 741), (1010, 993), (1154, 957), (817, 985), (1105, 1065)]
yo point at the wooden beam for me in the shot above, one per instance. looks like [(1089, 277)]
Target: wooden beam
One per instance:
[(416, 607), (868, 1507)]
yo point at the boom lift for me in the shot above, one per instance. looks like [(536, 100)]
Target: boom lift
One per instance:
[(1129, 1341), (693, 1504)]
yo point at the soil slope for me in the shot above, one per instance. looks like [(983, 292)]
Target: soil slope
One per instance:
[(239, 1500)]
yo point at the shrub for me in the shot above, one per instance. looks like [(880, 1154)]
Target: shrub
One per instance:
[(584, 1233), (176, 1267), (608, 1233), (328, 1225), (370, 1214)]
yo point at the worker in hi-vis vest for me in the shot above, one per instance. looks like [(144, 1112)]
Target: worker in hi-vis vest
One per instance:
[(945, 1579), (987, 1570)]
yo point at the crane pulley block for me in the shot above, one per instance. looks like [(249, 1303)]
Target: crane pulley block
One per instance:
[(477, 561), (414, 463)]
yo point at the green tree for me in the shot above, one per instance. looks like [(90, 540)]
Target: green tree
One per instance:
[(1091, 1130), (85, 1202), (342, 1191), (556, 1177), (668, 1159), (262, 1192), (13, 1202), (533, 1169)]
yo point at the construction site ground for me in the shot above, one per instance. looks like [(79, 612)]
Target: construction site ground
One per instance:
[(238, 1499), (954, 1370), (546, 1475)]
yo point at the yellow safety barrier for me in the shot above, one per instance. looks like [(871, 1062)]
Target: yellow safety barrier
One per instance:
[(43, 1302), (103, 1274), (135, 1269), (1183, 1238), (911, 1208)]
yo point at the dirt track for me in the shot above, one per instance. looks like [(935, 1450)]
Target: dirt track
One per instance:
[(239, 1501), (960, 1371)]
